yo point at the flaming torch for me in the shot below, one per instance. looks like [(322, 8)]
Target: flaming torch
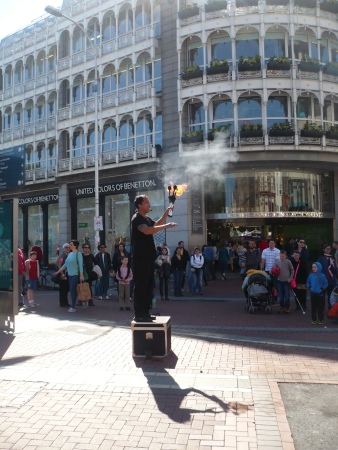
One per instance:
[(175, 191)]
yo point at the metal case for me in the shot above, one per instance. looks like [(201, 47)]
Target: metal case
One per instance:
[(152, 338)]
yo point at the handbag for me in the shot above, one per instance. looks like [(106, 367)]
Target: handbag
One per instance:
[(56, 279), (293, 283), (84, 272), (83, 292)]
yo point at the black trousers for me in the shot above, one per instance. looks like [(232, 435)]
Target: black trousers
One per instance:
[(63, 292), (143, 272), (301, 295), (317, 307)]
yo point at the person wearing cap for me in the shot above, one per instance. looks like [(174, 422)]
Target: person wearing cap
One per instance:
[(196, 264), (103, 260), (64, 282)]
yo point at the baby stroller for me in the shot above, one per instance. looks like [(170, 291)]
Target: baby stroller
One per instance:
[(258, 290)]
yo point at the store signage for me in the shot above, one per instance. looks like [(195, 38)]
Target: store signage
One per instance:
[(196, 212), (39, 199), (83, 225), (279, 214), (12, 172), (119, 187)]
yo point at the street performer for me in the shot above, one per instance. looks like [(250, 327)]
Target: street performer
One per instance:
[(144, 255)]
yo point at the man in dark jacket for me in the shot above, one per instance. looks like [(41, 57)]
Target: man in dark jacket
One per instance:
[(253, 257), (186, 258), (103, 260)]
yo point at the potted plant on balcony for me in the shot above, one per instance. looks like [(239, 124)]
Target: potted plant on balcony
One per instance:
[(218, 66), (280, 63), (242, 3), (216, 5), (191, 72), (332, 133), (249, 64), (312, 130), (306, 3), (309, 64), (220, 131), (329, 5), (249, 129), (281, 129), (331, 68), (192, 137), (189, 11)]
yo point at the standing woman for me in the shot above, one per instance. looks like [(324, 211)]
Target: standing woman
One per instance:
[(163, 261), (178, 264), (88, 262), (74, 265), (301, 273), (64, 282), (330, 270)]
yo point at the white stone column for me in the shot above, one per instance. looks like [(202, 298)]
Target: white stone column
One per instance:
[(64, 215)]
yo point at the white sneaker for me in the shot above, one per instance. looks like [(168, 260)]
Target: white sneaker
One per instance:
[(71, 310), (107, 297), (100, 298), (182, 290), (31, 303)]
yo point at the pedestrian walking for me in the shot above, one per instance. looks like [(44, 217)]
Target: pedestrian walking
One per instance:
[(64, 281)]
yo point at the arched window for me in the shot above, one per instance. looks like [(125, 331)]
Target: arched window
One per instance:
[(93, 32), (64, 94), (277, 109), (142, 14), (64, 145), (109, 79), (78, 143), (64, 44), (125, 20), (78, 40), (275, 44), (51, 60), (8, 118), (91, 82), (126, 75), (143, 69), (29, 68), (78, 91), (250, 109), (194, 52), (41, 64), (109, 138), (40, 156), (40, 109), (222, 112), (8, 77), (328, 48), (17, 116), (108, 26), (247, 43), (29, 158), (18, 72), (221, 47), (196, 116), (144, 129), (126, 133), (308, 110), (305, 44), (29, 112), (51, 107), (51, 153)]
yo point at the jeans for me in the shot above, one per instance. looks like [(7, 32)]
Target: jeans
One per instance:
[(103, 285), (223, 267), (283, 288), (164, 281), (197, 277), (73, 282), (178, 276)]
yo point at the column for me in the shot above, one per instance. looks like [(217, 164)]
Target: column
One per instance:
[(64, 215)]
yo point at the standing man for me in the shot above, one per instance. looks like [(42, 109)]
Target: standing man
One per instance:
[(186, 258), (103, 260), (144, 255), (269, 256), (253, 257)]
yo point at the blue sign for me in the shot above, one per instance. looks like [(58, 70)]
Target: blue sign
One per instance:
[(12, 167)]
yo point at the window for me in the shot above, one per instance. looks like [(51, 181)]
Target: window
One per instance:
[(109, 139), (78, 40), (274, 45), (91, 140), (308, 110), (249, 109), (78, 91), (109, 80), (222, 112), (125, 21), (40, 109), (29, 158), (143, 70), (195, 54), (277, 110), (7, 119), (17, 116), (18, 73), (8, 77), (324, 50), (126, 133), (94, 33), (29, 112), (221, 48), (53, 231), (158, 74), (40, 64), (108, 27), (158, 129), (305, 44), (78, 143), (196, 116), (126, 76), (29, 68), (247, 44), (142, 15), (40, 156), (144, 129)]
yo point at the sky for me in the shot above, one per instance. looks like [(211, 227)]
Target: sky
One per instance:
[(18, 14)]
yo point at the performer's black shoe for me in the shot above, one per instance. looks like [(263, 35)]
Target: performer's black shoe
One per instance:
[(143, 319)]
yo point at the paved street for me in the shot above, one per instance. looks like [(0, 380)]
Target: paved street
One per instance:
[(69, 381)]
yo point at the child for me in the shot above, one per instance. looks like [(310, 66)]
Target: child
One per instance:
[(32, 275), (317, 283), (124, 275)]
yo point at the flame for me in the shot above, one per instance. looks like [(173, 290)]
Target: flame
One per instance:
[(179, 188)]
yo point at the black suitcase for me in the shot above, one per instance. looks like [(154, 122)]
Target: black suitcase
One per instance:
[(152, 338)]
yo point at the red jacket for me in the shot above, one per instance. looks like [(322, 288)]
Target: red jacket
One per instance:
[(21, 262)]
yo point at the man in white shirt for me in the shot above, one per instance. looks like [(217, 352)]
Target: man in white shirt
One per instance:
[(269, 256), (196, 263)]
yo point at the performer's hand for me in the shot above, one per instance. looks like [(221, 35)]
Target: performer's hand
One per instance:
[(170, 208), (172, 224)]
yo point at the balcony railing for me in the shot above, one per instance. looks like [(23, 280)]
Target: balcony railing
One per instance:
[(109, 46)]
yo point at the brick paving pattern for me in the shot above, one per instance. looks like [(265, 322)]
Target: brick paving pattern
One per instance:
[(70, 382)]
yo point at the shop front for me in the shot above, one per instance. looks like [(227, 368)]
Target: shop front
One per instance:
[(39, 224), (283, 203), (116, 203)]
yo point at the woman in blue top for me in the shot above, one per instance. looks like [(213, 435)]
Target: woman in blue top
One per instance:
[(74, 266)]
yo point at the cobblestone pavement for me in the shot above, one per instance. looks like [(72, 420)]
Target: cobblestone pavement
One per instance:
[(69, 381)]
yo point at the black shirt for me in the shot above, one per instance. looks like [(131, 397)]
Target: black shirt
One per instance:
[(142, 245)]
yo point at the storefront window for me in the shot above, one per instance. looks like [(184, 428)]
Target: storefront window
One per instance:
[(53, 232), (20, 229), (35, 224), (85, 221), (117, 220), (273, 191)]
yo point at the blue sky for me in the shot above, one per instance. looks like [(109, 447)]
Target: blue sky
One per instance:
[(18, 14)]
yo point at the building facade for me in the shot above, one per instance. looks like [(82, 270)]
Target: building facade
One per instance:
[(235, 98)]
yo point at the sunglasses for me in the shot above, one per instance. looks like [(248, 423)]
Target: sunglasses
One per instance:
[(86, 247), (302, 242)]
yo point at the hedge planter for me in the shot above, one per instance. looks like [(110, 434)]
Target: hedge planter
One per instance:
[(191, 75), (192, 139), (216, 6), (306, 3), (245, 67), (330, 7), (330, 70), (307, 67), (331, 135), (278, 66), (242, 3), (281, 133), (311, 133), (217, 69), (251, 133), (189, 12)]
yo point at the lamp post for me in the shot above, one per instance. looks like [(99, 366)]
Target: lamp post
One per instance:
[(57, 13)]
